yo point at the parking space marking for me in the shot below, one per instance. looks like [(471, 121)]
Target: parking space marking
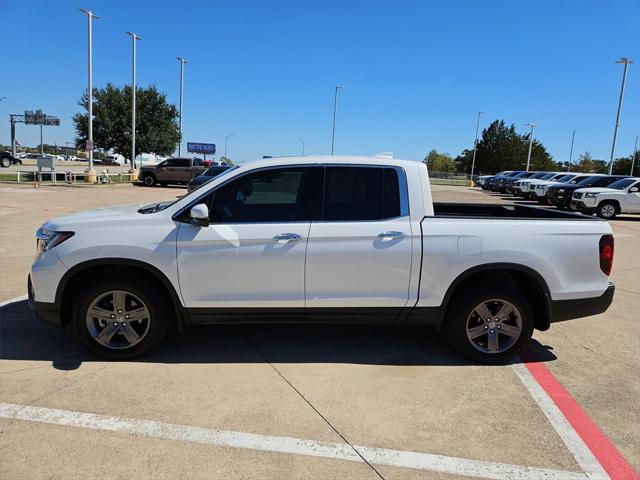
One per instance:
[(593, 451), (287, 445)]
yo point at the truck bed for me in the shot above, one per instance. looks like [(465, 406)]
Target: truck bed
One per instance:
[(504, 211)]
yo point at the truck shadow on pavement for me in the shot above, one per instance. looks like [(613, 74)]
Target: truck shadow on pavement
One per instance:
[(25, 337)]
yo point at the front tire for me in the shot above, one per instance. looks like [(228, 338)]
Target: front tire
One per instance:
[(607, 210), (120, 319), (5, 162), (149, 180), (491, 325)]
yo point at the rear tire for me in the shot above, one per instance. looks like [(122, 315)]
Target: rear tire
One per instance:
[(119, 319), (149, 180), (607, 210), (482, 338)]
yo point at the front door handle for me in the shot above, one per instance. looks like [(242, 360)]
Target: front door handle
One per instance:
[(391, 235), (286, 237)]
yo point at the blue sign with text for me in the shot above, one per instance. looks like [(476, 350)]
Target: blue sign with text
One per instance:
[(201, 147)]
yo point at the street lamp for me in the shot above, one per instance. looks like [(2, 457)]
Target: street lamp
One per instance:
[(532, 125), (626, 62), (573, 136), (225, 144), (633, 159), (475, 146), (302, 142), (335, 107), (90, 17), (182, 62), (134, 37)]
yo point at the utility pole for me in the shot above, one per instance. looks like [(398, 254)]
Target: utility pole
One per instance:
[(633, 159), (302, 142), (475, 146), (626, 62), (335, 107), (182, 62), (532, 125), (226, 139), (134, 38), (90, 17), (1, 99), (573, 136)]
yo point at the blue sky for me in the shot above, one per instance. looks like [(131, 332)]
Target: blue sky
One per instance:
[(414, 73)]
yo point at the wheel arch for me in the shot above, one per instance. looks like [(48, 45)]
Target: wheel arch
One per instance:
[(531, 283), (79, 274), (614, 201)]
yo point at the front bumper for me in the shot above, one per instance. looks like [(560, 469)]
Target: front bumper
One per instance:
[(561, 310), (47, 312)]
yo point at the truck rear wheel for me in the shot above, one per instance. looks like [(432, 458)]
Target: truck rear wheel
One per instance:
[(490, 325), (120, 319)]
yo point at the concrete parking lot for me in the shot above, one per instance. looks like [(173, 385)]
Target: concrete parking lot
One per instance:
[(311, 401)]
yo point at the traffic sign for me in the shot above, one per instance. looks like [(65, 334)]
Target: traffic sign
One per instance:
[(89, 146), (205, 148)]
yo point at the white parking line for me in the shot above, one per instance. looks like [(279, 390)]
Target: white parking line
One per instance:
[(13, 300), (289, 445), (588, 463)]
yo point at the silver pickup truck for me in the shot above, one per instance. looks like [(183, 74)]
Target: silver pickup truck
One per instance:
[(172, 170)]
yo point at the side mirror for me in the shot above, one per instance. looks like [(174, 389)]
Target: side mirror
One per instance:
[(633, 189), (199, 215)]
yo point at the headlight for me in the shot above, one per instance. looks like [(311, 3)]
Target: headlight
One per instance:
[(46, 240), (590, 195)]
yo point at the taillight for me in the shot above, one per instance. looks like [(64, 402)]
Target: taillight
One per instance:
[(606, 254)]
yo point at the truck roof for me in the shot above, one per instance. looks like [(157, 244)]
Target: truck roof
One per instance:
[(337, 159)]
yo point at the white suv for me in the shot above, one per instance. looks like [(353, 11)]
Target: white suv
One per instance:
[(622, 196)]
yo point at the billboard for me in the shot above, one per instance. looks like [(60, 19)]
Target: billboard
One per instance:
[(206, 148)]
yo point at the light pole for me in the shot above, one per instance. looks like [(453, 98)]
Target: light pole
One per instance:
[(532, 125), (302, 142), (182, 62), (626, 62), (226, 139), (134, 38), (573, 136), (475, 146), (90, 17), (1, 99), (633, 159), (335, 108)]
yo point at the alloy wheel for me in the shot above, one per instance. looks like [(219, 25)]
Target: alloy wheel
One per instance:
[(494, 326)]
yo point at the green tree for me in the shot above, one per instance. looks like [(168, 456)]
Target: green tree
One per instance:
[(502, 148), (587, 164), (228, 161), (440, 162), (156, 121), (622, 166)]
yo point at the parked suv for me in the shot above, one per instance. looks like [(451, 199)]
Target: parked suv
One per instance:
[(560, 195), (205, 176), (172, 170), (622, 196)]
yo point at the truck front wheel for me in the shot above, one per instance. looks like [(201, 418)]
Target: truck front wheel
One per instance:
[(491, 325), (120, 319), (149, 180)]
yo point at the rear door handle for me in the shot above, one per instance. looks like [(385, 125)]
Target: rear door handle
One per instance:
[(391, 235), (286, 237)]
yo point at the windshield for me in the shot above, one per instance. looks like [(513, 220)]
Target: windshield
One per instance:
[(158, 207), (566, 178), (540, 175), (524, 174), (214, 171), (548, 176), (622, 184), (589, 181)]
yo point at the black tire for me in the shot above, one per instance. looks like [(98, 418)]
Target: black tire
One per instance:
[(149, 179), (159, 318), (5, 162), (607, 210), (460, 313)]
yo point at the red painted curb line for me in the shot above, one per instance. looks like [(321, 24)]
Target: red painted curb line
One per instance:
[(605, 452)]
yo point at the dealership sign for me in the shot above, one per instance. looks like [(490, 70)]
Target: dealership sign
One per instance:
[(201, 147)]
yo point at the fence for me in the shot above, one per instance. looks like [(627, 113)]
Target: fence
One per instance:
[(62, 177), (448, 178)]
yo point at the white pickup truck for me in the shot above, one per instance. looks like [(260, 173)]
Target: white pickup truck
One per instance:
[(320, 239)]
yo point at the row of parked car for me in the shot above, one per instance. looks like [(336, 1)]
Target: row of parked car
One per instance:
[(605, 195)]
